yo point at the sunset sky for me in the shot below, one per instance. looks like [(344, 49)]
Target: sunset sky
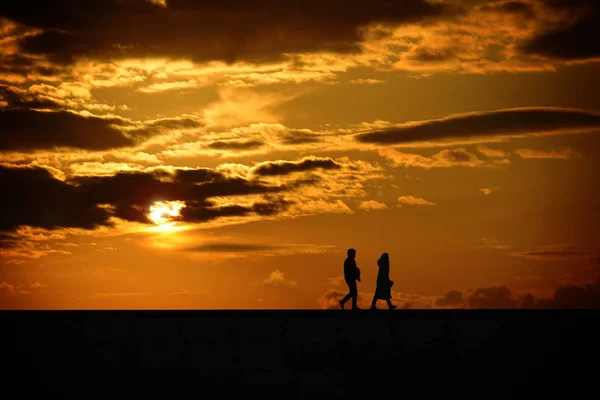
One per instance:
[(226, 154)]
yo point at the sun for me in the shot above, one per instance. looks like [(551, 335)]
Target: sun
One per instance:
[(161, 212)]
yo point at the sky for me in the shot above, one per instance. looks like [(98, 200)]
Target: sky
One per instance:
[(159, 154)]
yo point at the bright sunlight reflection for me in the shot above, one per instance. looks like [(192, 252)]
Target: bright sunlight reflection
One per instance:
[(161, 213)]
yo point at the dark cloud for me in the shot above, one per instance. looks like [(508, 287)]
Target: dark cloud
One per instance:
[(199, 175), (570, 40), (204, 210), (271, 206), (294, 137), (198, 212), (207, 30), (573, 297), (33, 130), (273, 168), (511, 7), (432, 55), (493, 123), (32, 196), (26, 68), (236, 144), (19, 99), (527, 301), (143, 188), (452, 298), (173, 123), (492, 298), (7, 240), (231, 247)]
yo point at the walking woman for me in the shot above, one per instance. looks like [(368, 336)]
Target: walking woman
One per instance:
[(384, 284)]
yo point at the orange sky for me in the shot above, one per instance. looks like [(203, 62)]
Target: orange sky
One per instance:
[(163, 154)]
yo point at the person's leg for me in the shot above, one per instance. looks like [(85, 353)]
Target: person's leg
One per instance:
[(348, 296), (374, 302), (390, 305), (354, 292)]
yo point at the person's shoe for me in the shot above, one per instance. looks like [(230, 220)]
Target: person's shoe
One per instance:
[(374, 307), (356, 308), (393, 306), (342, 304)]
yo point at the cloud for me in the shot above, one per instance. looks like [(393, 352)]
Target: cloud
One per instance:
[(242, 141), (451, 299), (165, 86), (176, 46), (10, 290), (36, 198), (562, 154), (414, 201), (235, 249), (29, 130), (242, 107), (486, 37), (320, 206), (573, 297), (271, 168), (487, 191), (337, 281), (14, 97), (568, 39), (555, 255), (331, 299), (444, 159), (235, 144), (162, 3), (94, 197), (510, 7), (515, 122), (492, 297), (33, 197), (492, 153), (498, 297), (277, 279), (65, 95), (372, 205), (217, 247), (184, 29), (365, 81), (494, 244), (7, 289), (298, 137)]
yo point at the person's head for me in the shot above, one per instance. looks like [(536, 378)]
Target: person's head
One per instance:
[(351, 253), (384, 257)]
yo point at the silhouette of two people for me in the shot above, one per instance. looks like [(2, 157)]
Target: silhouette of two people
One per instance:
[(384, 284)]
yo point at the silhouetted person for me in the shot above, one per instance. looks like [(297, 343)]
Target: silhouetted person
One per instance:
[(351, 275), (384, 284)]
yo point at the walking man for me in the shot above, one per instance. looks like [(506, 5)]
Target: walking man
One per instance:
[(351, 275)]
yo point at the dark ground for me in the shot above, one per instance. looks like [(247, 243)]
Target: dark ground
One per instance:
[(301, 354)]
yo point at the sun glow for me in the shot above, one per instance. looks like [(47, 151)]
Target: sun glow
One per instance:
[(161, 212)]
